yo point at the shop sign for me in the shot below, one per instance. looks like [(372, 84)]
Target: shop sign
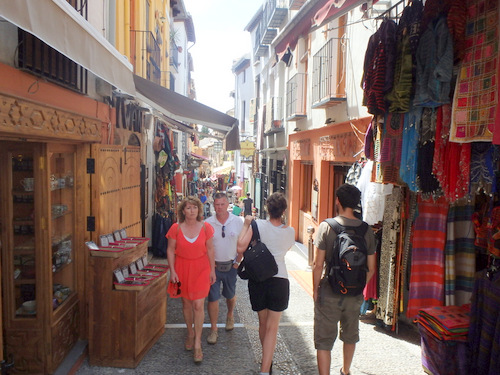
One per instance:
[(337, 146), (301, 148), (247, 149)]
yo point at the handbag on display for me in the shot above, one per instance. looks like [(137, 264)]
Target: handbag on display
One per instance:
[(258, 263)]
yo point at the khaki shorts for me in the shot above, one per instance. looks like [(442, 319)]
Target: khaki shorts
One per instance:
[(329, 310)]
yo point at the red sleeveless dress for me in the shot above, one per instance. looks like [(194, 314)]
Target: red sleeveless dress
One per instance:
[(191, 263)]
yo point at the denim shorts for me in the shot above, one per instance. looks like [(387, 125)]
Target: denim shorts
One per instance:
[(272, 294), (228, 281), (329, 310)]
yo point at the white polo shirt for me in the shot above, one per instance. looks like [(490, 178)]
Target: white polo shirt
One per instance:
[(225, 248)]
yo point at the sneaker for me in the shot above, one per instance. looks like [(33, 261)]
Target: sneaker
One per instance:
[(229, 323), (342, 373), (212, 337)]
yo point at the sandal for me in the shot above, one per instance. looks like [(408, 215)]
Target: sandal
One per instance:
[(189, 343), (197, 355)]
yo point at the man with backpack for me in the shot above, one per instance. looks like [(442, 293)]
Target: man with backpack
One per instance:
[(344, 262)]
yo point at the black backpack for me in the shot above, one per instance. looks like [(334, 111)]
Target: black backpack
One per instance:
[(347, 267)]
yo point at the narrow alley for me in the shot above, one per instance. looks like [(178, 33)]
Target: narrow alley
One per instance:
[(379, 352)]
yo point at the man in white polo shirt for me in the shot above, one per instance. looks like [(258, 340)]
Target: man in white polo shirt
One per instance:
[(227, 228)]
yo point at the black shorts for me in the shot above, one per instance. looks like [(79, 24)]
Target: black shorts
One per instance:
[(272, 294)]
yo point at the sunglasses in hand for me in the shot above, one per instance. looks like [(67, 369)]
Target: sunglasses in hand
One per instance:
[(177, 287)]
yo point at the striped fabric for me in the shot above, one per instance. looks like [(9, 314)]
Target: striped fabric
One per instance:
[(460, 258), (427, 264), (484, 331)]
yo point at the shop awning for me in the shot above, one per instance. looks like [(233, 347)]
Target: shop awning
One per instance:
[(183, 109), (201, 157), (224, 170), (59, 25)]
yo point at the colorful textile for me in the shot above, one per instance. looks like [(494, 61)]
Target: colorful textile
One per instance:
[(442, 357), (387, 311), (389, 160), (475, 101), (484, 158), (427, 263), (378, 74), (494, 232), (434, 65), (409, 148), (451, 164), (460, 257), (484, 331), (427, 182), (408, 34)]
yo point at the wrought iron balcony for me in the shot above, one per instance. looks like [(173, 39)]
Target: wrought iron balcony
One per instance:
[(144, 46), (328, 80), (296, 97), (275, 11), (296, 4)]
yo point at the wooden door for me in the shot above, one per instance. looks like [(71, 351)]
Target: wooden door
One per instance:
[(116, 200)]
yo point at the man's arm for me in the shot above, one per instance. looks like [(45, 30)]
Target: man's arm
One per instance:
[(317, 272), (372, 263)]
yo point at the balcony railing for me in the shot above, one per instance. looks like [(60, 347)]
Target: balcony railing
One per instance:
[(39, 58), (144, 46), (275, 11), (296, 97), (274, 115), (328, 86), (296, 4)]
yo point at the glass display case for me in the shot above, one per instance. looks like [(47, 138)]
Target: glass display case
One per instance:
[(40, 304), (62, 221), (23, 233)]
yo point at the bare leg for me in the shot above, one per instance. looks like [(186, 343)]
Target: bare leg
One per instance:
[(213, 313), (324, 359), (231, 304), (187, 311), (268, 332), (199, 316), (348, 356)]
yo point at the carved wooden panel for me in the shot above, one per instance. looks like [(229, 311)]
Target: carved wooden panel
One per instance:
[(22, 117), (64, 336), (28, 349), (131, 191)]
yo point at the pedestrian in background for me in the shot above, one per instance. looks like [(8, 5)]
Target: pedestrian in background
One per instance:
[(247, 203), (331, 308), (190, 254), (269, 298), (227, 227)]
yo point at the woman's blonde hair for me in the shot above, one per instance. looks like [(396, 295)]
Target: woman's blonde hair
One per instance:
[(193, 200)]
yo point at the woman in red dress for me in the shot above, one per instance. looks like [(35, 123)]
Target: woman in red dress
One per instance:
[(190, 254)]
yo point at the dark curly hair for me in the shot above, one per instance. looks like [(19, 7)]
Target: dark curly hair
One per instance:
[(276, 205), (193, 200), (348, 195)]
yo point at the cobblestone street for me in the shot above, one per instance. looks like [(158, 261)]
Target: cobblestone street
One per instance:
[(379, 352)]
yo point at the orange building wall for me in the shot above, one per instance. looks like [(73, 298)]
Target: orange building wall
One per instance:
[(27, 86), (337, 143)]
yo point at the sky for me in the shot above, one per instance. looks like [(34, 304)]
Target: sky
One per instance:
[(221, 38)]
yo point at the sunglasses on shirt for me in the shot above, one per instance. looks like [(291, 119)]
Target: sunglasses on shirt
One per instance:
[(223, 233)]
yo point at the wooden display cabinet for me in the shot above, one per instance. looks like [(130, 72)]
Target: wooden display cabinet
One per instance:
[(40, 302), (123, 324)]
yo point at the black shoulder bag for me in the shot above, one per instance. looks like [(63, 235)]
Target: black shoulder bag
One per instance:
[(258, 263)]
